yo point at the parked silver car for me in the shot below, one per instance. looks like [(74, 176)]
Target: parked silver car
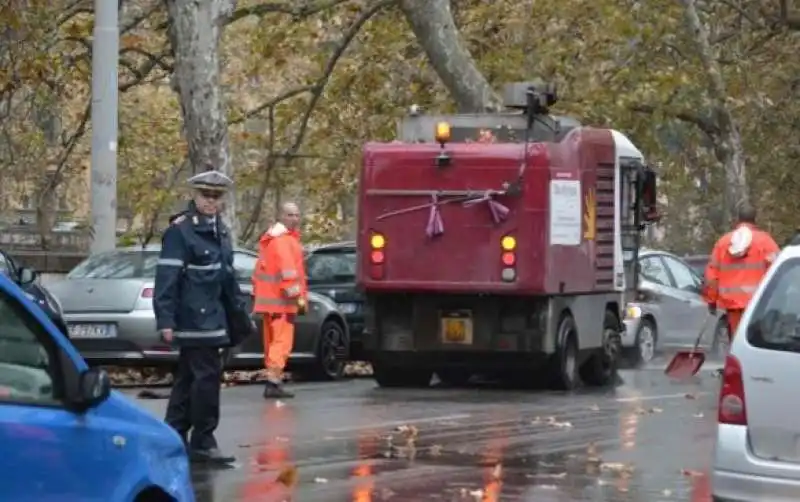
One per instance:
[(670, 310), (757, 452), (108, 306)]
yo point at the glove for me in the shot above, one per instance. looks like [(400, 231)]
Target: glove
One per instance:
[(302, 306), (712, 308)]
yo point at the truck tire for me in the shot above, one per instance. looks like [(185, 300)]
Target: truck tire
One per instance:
[(563, 369), (392, 376), (601, 367), (454, 377)]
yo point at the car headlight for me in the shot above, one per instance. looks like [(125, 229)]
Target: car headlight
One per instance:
[(633, 312)]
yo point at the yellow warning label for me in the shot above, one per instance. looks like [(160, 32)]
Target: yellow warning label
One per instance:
[(590, 215)]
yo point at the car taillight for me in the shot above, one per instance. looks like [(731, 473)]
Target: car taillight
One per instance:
[(147, 293), (377, 255), (509, 258), (732, 408)]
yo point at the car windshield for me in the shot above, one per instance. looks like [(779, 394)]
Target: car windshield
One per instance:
[(117, 265), (775, 320), (331, 266)]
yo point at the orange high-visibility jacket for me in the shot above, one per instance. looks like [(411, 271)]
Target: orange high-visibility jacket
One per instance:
[(280, 277), (733, 277)]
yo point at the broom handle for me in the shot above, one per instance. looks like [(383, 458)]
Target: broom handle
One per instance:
[(702, 332)]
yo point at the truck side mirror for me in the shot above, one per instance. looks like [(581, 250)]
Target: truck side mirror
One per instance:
[(649, 196)]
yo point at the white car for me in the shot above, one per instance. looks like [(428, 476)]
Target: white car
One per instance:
[(757, 455)]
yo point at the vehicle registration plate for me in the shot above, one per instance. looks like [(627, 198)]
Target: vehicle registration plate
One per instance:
[(456, 327), (92, 330)]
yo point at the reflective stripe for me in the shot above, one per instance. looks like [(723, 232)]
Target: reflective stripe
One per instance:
[(273, 279), (771, 257), (742, 266), (282, 302), (293, 290), (713, 264), (738, 289), (200, 334), (213, 266), (170, 262), (288, 274)]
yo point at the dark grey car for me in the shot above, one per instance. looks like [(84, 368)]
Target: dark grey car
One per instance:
[(107, 303)]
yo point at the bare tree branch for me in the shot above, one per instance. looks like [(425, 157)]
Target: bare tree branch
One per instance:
[(316, 90), (273, 103), (298, 10), (152, 223), (705, 124)]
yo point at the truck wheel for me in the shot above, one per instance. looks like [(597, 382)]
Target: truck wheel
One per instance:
[(388, 376), (564, 363), (454, 377), (601, 367)]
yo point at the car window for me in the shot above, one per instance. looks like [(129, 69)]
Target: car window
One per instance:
[(117, 265), (26, 366), (775, 321), (4, 265), (653, 270), (331, 266), (683, 276), (244, 264)]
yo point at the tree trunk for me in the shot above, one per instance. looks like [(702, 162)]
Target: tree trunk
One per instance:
[(195, 32), (435, 29), (727, 141)]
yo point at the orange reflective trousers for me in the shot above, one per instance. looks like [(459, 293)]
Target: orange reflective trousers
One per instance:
[(278, 342)]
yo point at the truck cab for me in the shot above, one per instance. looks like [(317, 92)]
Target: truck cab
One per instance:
[(500, 243)]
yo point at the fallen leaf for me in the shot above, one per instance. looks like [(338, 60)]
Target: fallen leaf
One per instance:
[(320, 480), (698, 415), (691, 473), (667, 493), (536, 421), (594, 407), (656, 410), (435, 450), (689, 395), (288, 476), (616, 467), (591, 454), (476, 494), (497, 472)]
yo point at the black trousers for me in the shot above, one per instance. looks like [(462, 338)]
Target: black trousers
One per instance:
[(194, 400)]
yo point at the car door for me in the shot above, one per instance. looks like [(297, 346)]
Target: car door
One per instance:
[(661, 290), (47, 452), (687, 288)]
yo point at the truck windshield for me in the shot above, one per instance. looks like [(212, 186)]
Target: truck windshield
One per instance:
[(331, 266)]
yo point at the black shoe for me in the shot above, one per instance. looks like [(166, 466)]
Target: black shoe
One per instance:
[(275, 391), (210, 456)]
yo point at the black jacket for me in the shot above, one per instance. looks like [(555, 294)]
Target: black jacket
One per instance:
[(196, 293)]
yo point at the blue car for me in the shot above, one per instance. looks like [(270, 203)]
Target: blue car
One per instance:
[(64, 434)]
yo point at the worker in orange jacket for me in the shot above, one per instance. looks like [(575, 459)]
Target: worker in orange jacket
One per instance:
[(739, 261), (279, 287)]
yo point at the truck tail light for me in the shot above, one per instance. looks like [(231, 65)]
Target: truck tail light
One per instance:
[(732, 409), (509, 258), (377, 255)]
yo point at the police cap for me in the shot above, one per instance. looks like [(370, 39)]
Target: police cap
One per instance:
[(211, 180)]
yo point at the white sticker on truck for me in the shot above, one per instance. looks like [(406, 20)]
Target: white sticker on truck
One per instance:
[(565, 212)]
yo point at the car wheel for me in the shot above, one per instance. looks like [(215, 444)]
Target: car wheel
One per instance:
[(722, 340), (601, 368), (644, 347), (331, 352), (564, 363), (392, 376)]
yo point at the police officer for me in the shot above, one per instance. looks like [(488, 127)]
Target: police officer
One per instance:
[(194, 286)]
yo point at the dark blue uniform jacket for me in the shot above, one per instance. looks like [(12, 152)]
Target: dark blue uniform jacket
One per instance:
[(195, 282)]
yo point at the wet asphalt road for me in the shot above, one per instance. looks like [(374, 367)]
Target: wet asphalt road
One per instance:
[(649, 440)]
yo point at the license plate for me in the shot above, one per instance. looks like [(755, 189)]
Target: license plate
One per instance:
[(92, 330), (347, 308), (457, 329)]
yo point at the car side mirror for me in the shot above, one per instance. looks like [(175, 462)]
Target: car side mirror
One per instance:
[(94, 387), (27, 276), (649, 195)]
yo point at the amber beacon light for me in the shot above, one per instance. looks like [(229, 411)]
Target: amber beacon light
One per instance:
[(509, 258)]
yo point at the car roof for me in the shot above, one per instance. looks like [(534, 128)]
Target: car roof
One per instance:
[(156, 248), (331, 246)]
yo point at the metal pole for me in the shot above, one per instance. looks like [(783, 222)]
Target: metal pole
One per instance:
[(105, 60)]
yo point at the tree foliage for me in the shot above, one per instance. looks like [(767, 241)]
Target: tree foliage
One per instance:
[(306, 83)]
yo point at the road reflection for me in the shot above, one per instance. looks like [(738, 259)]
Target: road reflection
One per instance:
[(270, 470), (365, 483)]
